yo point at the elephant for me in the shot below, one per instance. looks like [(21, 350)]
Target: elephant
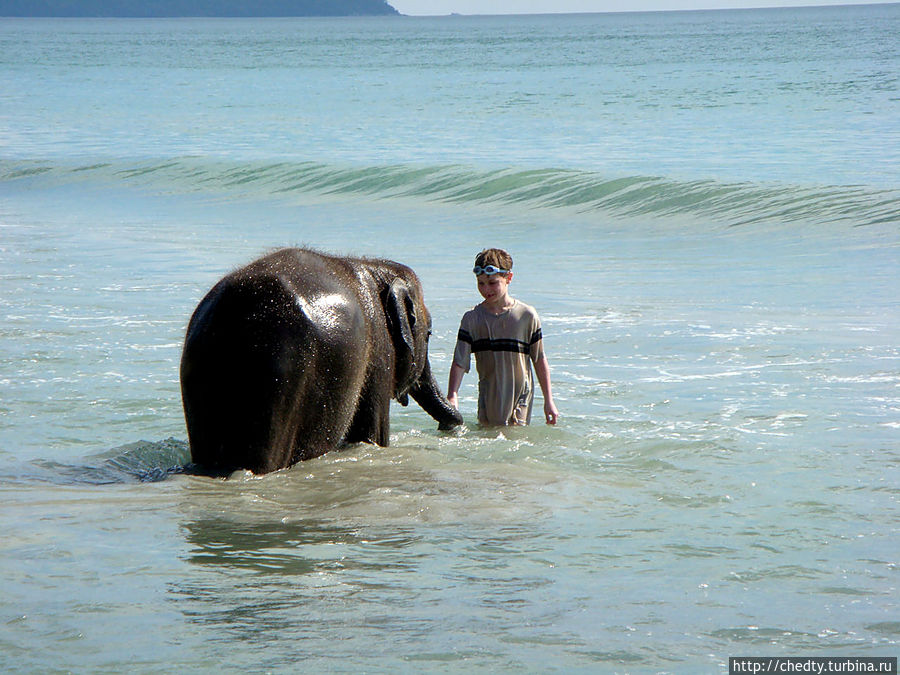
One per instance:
[(301, 352)]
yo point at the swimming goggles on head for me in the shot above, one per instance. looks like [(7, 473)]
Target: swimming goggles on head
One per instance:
[(490, 270)]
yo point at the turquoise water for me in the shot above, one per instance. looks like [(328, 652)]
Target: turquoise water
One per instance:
[(704, 208)]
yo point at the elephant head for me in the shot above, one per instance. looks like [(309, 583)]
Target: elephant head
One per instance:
[(409, 325)]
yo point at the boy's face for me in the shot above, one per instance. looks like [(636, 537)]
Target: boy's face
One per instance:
[(494, 287)]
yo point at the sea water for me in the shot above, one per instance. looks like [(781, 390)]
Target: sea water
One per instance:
[(704, 209)]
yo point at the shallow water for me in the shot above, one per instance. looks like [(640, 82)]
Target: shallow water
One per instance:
[(720, 314)]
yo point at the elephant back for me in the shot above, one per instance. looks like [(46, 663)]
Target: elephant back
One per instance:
[(263, 339)]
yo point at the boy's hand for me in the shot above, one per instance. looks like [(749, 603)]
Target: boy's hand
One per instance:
[(456, 376), (550, 412)]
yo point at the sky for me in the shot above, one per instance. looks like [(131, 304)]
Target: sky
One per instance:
[(431, 7)]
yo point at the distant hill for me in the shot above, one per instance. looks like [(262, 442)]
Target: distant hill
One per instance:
[(185, 8)]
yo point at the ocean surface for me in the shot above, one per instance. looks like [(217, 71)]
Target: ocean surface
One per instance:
[(704, 207)]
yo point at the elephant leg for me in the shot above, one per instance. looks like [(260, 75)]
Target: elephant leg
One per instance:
[(231, 409), (371, 421), (323, 407)]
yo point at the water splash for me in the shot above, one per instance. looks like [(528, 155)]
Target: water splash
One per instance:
[(139, 462)]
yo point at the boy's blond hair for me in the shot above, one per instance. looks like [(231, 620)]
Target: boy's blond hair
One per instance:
[(494, 256)]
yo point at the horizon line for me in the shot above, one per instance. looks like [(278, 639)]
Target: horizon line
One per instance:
[(809, 5)]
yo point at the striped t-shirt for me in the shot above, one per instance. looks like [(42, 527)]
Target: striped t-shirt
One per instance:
[(504, 346)]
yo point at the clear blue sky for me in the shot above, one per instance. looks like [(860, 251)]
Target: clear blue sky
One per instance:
[(426, 7)]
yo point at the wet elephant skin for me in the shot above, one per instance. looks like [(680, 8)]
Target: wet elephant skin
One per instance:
[(301, 352)]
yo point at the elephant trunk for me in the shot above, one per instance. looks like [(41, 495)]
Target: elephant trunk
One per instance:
[(428, 395)]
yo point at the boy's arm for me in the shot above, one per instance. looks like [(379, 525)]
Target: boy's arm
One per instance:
[(542, 370), (456, 376)]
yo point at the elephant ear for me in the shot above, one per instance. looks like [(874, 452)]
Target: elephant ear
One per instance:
[(400, 311)]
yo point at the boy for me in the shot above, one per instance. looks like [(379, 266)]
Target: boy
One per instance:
[(505, 336)]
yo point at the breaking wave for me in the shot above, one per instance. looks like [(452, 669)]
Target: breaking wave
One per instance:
[(729, 203)]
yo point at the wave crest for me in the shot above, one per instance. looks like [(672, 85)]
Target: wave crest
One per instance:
[(583, 191)]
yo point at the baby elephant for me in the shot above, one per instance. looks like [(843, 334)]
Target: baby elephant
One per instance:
[(300, 352)]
